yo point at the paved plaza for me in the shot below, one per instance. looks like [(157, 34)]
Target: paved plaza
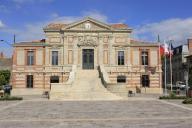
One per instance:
[(138, 113)]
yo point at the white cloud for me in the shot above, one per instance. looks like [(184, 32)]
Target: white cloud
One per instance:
[(33, 31), (175, 29), (96, 15), (1, 24)]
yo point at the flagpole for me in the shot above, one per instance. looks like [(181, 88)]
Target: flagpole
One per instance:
[(170, 63), (160, 74), (165, 81)]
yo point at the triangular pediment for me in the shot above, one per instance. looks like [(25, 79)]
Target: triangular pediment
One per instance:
[(87, 24)]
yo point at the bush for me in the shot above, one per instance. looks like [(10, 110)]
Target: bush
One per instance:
[(172, 96), (187, 101), (7, 97)]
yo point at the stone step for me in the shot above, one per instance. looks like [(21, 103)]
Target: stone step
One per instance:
[(87, 86)]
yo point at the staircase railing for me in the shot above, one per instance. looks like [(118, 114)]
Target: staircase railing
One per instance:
[(72, 75), (103, 75)]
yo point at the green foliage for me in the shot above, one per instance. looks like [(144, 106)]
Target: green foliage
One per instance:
[(2, 80), (172, 96), (7, 97), (4, 77), (187, 101)]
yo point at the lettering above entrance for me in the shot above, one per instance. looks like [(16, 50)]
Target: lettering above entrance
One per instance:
[(87, 41)]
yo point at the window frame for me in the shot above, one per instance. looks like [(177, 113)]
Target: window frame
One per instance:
[(146, 80), (55, 58), (29, 81), (30, 57), (121, 79), (145, 57), (121, 58)]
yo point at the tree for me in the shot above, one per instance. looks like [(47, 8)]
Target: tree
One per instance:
[(4, 77), (2, 80)]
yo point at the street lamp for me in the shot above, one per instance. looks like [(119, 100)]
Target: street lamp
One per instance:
[(186, 77)]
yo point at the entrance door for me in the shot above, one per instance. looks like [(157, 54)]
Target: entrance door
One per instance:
[(88, 59), (145, 80)]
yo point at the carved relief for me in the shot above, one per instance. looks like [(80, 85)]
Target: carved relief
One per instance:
[(120, 39), (87, 41), (55, 40), (105, 39), (70, 39)]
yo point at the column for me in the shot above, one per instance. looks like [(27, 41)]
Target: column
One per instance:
[(100, 40), (112, 56), (75, 51)]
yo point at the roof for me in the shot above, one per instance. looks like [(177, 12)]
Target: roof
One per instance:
[(144, 43), (5, 63), (180, 49), (31, 43), (119, 26), (59, 26), (55, 26)]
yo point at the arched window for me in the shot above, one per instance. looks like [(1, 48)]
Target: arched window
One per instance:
[(54, 79), (121, 79)]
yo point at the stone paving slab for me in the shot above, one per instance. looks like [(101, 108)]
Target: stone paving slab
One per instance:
[(89, 114)]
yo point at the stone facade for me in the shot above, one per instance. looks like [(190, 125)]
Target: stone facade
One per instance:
[(107, 45)]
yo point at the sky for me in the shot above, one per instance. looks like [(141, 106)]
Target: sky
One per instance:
[(171, 19)]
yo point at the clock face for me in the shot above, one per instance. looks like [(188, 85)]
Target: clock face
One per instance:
[(87, 26)]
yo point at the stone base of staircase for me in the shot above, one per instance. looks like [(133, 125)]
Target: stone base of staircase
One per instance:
[(87, 86)]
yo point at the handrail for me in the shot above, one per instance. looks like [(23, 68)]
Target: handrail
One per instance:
[(104, 75)]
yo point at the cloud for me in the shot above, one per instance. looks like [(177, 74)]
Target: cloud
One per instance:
[(96, 14), (32, 31), (1, 24), (175, 29)]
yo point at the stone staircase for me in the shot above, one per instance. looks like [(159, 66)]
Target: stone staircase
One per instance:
[(87, 86)]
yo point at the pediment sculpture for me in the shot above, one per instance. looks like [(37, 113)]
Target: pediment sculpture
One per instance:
[(87, 41)]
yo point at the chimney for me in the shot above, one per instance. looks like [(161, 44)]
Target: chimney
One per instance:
[(190, 45), (1, 55)]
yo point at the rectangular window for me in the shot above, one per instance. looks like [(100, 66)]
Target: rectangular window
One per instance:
[(29, 81), (121, 58), (144, 57), (54, 57), (30, 57)]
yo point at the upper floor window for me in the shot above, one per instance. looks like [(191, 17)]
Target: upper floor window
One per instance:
[(121, 58), (54, 57), (30, 57), (144, 57)]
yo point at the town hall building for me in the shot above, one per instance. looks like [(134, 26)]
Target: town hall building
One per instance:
[(84, 55)]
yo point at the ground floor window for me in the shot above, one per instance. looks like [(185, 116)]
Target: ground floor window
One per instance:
[(121, 79), (145, 80), (29, 81), (54, 79)]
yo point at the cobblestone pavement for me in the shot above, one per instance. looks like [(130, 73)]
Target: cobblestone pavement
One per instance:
[(95, 114)]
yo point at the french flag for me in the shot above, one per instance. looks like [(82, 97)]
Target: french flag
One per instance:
[(166, 50)]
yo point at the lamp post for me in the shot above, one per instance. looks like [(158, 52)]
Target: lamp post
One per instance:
[(186, 77)]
